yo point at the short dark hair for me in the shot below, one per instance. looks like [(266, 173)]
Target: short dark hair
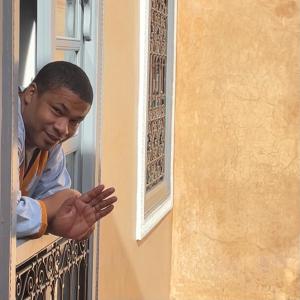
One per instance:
[(64, 74)]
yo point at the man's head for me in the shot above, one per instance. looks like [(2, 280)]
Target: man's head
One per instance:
[(59, 74), (55, 103)]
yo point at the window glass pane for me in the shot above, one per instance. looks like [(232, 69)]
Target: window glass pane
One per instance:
[(27, 64), (65, 17), (66, 55), (72, 164)]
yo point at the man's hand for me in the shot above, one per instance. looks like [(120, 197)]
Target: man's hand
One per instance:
[(76, 217), (55, 201)]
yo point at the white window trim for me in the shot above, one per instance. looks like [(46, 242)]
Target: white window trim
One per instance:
[(9, 178), (90, 145), (68, 44), (45, 32), (146, 222)]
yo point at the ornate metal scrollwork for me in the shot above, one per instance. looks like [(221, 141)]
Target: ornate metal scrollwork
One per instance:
[(156, 123), (56, 272)]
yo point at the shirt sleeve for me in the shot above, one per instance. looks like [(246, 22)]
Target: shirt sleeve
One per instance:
[(55, 177), (31, 217)]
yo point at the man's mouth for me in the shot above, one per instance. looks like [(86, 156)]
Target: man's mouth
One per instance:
[(53, 138)]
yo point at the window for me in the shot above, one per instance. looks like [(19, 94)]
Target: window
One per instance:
[(63, 30), (155, 135)]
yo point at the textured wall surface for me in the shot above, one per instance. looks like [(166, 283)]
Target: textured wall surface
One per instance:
[(129, 270), (237, 174)]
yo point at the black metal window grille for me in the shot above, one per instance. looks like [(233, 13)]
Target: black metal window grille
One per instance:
[(156, 111), (58, 272)]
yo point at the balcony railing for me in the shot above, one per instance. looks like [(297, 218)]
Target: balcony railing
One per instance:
[(58, 271)]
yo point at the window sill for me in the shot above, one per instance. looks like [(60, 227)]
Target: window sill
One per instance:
[(26, 248)]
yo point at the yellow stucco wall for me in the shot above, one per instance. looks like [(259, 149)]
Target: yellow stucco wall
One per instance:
[(237, 177), (129, 270)]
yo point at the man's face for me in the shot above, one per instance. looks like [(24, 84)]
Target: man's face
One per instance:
[(51, 117)]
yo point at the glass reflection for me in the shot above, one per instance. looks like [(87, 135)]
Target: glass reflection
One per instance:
[(65, 17)]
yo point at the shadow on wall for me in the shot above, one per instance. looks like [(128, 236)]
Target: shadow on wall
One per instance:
[(125, 279)]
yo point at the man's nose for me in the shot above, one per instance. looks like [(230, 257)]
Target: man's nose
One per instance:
[(62, 127)]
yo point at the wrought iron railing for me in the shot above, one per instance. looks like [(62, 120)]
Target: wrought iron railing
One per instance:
[(57, 272), (156, 120)]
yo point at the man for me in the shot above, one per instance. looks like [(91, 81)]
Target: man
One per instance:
[(50, 111)]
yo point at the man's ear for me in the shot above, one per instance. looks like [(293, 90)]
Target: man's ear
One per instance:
[(29, 92)]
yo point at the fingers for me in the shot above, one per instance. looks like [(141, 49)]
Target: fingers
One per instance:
[(98, 197), (103, 195), (106, 202), (92, 194), (102, 213), (91, 215)]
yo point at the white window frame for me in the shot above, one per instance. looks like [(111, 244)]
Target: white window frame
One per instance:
[(162, 194), (89, 141), (9, 178)]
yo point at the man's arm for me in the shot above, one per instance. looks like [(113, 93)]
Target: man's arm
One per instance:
[(72, 217)]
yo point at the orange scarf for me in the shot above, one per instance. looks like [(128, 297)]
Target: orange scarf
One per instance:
[(36, 169)]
